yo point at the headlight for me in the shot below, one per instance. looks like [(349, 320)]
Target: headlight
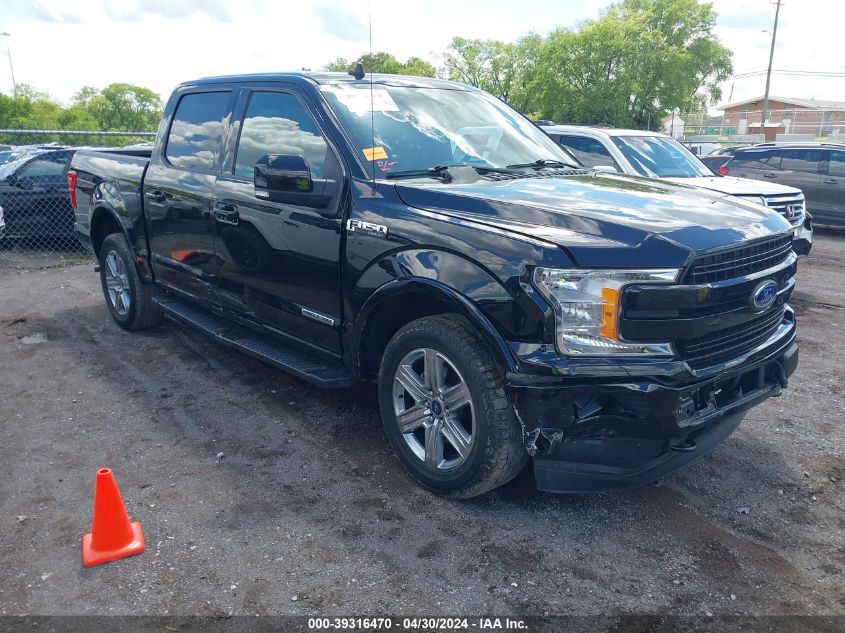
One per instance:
[(587, 306)]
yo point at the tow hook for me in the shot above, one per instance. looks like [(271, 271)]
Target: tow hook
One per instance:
[(780, 375), (687, 446)]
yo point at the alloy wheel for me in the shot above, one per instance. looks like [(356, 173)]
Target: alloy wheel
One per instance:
[(434, 409), (117, 283)]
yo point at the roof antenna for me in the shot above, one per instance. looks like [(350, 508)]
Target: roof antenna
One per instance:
[(358, 71), (372, 98)]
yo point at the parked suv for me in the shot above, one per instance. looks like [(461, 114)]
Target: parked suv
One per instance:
[(655, 155), (818, 169), (423, 235)]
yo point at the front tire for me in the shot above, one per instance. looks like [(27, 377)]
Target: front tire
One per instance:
[(445, 409), (128, 298)]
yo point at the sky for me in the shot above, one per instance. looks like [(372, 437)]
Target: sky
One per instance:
[(59, 46)]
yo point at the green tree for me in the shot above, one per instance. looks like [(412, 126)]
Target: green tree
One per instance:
[(630, 67), (29, 109), (491, 65), (385, 63), (120, 107)]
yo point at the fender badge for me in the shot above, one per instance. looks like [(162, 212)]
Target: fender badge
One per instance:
[(367, 228)]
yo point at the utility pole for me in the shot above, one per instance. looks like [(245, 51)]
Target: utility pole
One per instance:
[(12, 68), (769, 72)]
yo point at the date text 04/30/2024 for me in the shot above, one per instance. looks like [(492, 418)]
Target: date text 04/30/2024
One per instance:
[(418, 624)]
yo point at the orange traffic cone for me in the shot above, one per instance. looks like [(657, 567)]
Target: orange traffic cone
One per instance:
[(112, 536)]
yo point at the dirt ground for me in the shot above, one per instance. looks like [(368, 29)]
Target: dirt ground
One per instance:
[(259, 494)]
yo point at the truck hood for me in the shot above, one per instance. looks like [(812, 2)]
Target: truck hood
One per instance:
[(602, 219), (737, 186)]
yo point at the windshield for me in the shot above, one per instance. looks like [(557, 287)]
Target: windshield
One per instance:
[(414, 128), (660, 157)]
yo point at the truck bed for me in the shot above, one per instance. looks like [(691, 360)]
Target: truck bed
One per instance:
[(119, 174)]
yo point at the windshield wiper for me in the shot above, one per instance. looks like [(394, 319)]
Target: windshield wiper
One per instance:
[(543, 162), (438, 171)]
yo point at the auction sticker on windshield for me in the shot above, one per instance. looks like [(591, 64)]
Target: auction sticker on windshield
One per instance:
[(362, 100)]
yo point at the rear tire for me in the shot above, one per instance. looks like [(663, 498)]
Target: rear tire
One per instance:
[(445, 408), (128, 298)]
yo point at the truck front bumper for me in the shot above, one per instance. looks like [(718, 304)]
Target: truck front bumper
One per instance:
[(802, 236), (598, 435)]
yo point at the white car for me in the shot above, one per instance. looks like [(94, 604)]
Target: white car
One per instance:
[(655, 155)]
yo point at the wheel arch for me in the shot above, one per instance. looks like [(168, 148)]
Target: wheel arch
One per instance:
[(105, 221), (401, 301)]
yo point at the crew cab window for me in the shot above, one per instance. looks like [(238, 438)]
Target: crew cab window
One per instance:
[(589, 152), (803, 160), (45, 167), (837, 164), (196, 130), (278, 123)]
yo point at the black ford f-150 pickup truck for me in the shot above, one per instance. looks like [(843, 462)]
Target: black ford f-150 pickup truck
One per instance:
[(423, 235)]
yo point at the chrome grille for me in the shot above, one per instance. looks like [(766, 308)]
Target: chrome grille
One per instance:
[(790, 206), (730, 263), (721, 346)]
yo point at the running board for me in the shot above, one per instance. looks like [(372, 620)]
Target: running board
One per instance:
[(321, 373)]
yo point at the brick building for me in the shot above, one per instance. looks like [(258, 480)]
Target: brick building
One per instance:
[(786, 116)]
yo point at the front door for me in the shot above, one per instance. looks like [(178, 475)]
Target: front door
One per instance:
[(279, 264), (796, 168), (831, 194), (178, 188)]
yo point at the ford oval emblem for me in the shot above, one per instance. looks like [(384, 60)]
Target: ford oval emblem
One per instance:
[(764, 295)]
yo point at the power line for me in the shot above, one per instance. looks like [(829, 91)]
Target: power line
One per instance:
[(808, 73)]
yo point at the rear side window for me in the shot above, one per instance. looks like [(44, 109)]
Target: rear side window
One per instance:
[(803, 160), (196, 130), (589, 152), (837, 164), (278, 123)]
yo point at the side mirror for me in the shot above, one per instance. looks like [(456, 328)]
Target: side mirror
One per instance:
[(286, 178), (608, 169)]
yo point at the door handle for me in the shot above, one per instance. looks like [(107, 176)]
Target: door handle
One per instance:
[(830, 181), (770, 175), (226, 213), (155, 196)]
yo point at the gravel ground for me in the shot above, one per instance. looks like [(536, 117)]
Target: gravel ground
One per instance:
[(308, 512)]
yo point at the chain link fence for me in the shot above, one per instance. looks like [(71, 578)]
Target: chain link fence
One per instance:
[(741, 125), (36, 219)]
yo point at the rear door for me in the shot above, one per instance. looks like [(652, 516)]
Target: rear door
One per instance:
[(278, 263), (830, 208), (178, 189)]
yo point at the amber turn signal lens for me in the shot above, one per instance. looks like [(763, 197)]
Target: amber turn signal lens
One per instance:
[(609, 313)]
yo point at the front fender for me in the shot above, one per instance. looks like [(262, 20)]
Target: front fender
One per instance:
[(400, 289), (419, 279)]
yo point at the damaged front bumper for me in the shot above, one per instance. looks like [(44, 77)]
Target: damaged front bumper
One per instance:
[(596, 434)]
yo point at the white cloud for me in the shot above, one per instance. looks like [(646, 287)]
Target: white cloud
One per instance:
[(59, 46), (807, 37)]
